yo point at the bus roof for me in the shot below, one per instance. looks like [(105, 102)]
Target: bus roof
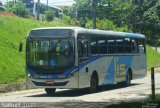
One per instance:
[(96, 31)]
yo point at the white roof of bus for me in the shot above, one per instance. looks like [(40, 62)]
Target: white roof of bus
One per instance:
[(96, 31)]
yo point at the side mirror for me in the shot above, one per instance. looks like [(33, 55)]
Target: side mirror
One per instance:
[(20, 47)]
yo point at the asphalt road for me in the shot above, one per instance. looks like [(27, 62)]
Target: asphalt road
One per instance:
[(106, 95)]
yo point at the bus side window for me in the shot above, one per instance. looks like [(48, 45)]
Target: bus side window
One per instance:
[(141, 46), (102, 45), (80, 49), (111, 44), (127, 46), (134, 46), (83, 50), (93, 45), (120, 45)]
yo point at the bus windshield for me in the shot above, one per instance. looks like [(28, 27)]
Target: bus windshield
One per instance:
[(50, 53)]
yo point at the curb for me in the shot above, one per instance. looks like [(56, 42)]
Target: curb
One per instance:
[(12, 87)]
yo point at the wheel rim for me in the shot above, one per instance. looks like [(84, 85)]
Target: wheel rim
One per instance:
[(128, 79), (93, 84)]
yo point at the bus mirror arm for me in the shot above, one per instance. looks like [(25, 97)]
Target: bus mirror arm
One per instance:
[(21, 45)]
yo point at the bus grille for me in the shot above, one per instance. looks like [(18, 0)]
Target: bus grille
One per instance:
[(48, 71), (54, 84)]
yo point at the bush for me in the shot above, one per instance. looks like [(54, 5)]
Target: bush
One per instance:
[(50, 15), (17, 8)]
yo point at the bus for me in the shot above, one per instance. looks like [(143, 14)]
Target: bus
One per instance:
[(75, 57)]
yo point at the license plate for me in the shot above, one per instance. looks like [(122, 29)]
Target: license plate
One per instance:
[(49, 82)]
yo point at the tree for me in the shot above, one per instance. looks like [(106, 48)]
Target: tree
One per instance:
[(17, 8), (151, 19), (142, 16), (0, 4)]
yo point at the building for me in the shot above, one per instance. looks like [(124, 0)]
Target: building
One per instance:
[(32, 6), (1, 7)]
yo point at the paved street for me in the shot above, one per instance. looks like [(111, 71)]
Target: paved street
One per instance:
[(106, 95)]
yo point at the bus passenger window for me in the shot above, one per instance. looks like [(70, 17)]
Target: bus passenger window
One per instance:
[(127, 45), (93, 44), (134, 46), (102, 47), (80, 49), (83, 51), (111, 44), (120, 45), (141, 46), (85, 48)]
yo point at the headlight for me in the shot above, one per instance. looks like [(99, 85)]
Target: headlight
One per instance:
[(28, 74)]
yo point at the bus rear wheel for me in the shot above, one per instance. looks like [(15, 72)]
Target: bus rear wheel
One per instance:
[(127, 82), (93, 84), (128, 79), (50, 91)]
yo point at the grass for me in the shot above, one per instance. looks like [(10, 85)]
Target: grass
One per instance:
[(12, 63), (12, 30), (153, 58), (143, 104)]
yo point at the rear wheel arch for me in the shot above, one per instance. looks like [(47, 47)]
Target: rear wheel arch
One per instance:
[(93, 82), (95, 74)]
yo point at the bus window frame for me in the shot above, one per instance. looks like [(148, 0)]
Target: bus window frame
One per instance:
[(83, 38)]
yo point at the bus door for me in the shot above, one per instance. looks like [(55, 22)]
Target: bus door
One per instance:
[(119, 69), (120, 60), (83, 56)]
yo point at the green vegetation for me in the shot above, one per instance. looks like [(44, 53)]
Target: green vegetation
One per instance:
[(153, 58), (49, 15), (143, 104), (13, 29), (17, 8), (142, 16), (126, 105)]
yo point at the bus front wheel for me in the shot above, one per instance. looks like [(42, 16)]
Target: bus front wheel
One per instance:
[(50, 91), (93, 84)]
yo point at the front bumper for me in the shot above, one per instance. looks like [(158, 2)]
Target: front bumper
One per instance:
[(57, 83)]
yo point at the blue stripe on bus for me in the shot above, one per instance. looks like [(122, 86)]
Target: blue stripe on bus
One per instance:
[(67, 72), (55, 76), (90, 60)]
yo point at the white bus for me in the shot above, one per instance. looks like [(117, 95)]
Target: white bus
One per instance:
[(74, 57)]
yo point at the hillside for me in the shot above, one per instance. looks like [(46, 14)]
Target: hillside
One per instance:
[(13, 29), (12, 63)]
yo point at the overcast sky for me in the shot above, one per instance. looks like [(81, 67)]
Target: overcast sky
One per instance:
[(52, 2)]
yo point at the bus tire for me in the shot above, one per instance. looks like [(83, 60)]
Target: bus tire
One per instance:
[(128, 79), (127, 82), (93, 83), (50, 91)]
